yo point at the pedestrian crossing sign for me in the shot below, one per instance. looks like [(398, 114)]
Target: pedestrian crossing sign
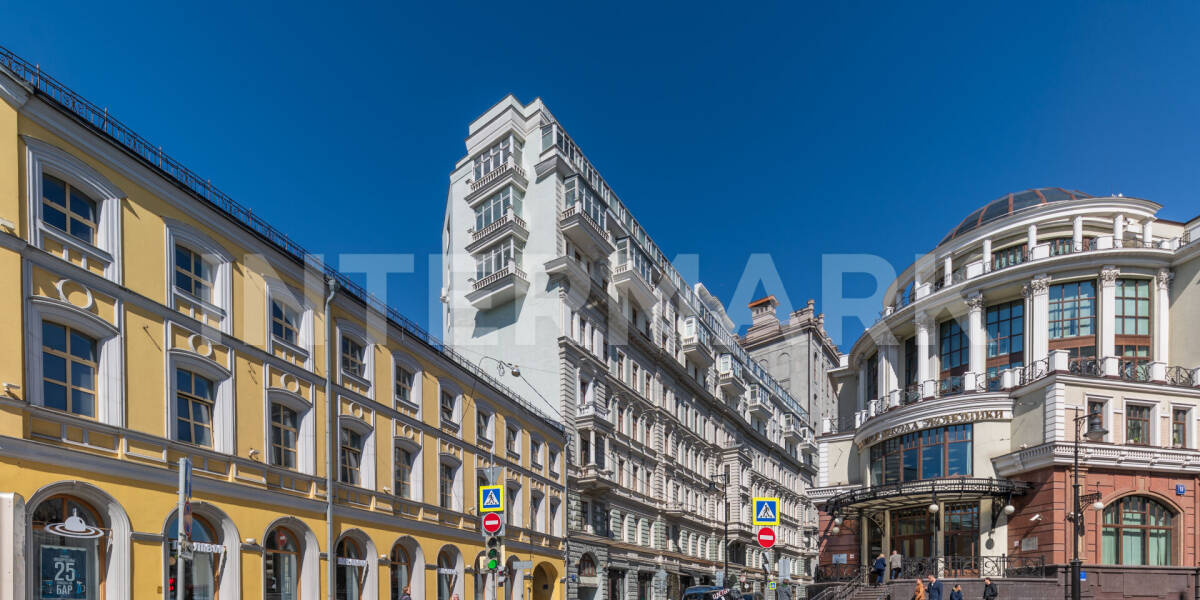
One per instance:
[(491, 498), (766, 512)]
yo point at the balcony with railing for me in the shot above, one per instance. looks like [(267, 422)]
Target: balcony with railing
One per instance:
[(596, 478), (759, 405), (695, 343), (501, 287), (729, 375), (628, 279), (585, 232), (793, 430), (509, 224), (510, 171)]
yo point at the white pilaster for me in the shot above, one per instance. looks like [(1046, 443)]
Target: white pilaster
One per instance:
[(948, 271), (1108, 307), (1162, 315), (976, 335), (862, 387), (987, 255), (1148, 230), (1037, 294), (1118, 230), (1077, 234), (922, 343), (1031, 240)]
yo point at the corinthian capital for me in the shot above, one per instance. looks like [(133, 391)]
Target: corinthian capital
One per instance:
[(1036, 287), (975, 302), (1163, 279), (1108, 276)]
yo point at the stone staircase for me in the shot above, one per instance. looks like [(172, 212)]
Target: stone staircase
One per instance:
[(870, 593)]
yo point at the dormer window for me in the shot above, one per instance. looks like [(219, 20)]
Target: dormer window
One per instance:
[(68, 209)]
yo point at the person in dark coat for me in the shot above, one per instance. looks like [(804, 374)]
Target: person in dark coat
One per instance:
[(989, 589), (879, 567), (934, 588), (956, 592)]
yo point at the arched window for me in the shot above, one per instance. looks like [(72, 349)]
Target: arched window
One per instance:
[(351, 570), (587, 566), (401, 570), (68, 538), (1138, 531), (281, 558), (447, 574), (200, 574)]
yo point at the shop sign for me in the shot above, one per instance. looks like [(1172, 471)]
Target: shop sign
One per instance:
[(64, 573), (352, 562), (446, 571), (839, 559), (940, 421)]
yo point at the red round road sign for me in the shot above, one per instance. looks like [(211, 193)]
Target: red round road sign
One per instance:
[(766, 537), (491, 522)]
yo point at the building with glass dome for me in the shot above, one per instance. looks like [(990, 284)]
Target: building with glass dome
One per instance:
[(961, 407)]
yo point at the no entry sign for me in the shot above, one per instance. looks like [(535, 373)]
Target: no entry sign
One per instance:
[(766, 537), (491, 522)]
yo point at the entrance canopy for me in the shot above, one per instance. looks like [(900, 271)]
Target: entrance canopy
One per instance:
[(877, 498)]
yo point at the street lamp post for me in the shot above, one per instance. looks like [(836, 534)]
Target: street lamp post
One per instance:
[(725, 535), (1095, 431)]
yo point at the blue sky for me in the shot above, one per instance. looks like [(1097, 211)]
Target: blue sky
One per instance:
[(795, 130)]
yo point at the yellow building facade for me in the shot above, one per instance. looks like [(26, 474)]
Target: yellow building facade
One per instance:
[(146, 318)]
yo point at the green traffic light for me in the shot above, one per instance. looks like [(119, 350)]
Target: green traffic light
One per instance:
[(493, 564)]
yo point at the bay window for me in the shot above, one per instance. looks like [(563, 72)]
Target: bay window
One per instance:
[(497, 257), (927, 454), (496, 206), (578, 192), (1072, 318), (496, 156)]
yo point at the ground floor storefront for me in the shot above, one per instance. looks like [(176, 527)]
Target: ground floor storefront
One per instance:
[(68, 532)]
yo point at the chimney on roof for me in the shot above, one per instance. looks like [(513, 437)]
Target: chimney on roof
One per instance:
[(762, 311)]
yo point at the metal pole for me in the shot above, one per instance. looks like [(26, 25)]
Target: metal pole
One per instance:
[(330, 440), (1075, 520)]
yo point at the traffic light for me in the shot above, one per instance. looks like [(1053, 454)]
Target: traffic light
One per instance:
[(494, 553)]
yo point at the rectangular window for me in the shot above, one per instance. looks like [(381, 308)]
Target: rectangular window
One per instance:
[(448, 405), (954, 348), (404, 465), (1179, 419), (1096, 407), (404, 385), (872, 377), (67, 209), (353, 357), (1073, 314), (194, 408), (1137, 424), (578, 193), (352, 445), (69, 363), (535, 452), (512, 440), (446, 486), (496, 258), (193, 275), (1133, 307), (1007, 257), (284, 322), (284, 430), (926, 454), (495, 157), (497, 206), (483, 426)]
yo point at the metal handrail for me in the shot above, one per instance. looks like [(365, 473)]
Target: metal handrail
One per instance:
[(153, 156)]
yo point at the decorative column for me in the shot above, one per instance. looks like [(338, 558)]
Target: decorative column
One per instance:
[(948, 271), (1031, 241), (987, 255), (1118, 230), (592, 444), (1077, 234), (1037, 306), (1107, 318), (976, 339), (1162, 314), (923, 323), (1148, 230)]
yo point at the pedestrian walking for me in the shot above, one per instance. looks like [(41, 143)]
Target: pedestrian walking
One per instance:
[(879, 567), (956, 592), (935, 588), (919, 593), (896, 562), (989, 589)]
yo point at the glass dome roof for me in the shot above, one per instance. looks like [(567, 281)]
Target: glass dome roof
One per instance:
[(1011, 203)]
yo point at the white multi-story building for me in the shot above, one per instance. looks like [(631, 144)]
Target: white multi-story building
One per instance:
[(672, 428)]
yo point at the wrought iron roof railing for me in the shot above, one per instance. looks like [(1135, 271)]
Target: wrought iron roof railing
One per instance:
[(102, 122)]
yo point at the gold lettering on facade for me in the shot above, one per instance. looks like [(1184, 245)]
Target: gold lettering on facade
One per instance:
[(940, 421)]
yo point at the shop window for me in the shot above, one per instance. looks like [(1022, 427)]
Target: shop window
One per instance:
[(1138, 530), (200, 573), (281, 565), (351, 570), (69, 543)]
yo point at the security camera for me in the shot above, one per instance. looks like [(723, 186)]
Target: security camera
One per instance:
[(1036, 518)]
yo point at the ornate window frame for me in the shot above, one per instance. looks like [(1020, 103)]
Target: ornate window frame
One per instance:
[(359, 334), (289, 296), (366, 466), (223, 418), (110, 377), (42, 157), (221, 305), (306, 446)]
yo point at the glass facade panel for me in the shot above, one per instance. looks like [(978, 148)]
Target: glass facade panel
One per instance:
[(927, 454)]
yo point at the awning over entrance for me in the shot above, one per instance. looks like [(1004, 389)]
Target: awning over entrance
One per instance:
[(896, 495)]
